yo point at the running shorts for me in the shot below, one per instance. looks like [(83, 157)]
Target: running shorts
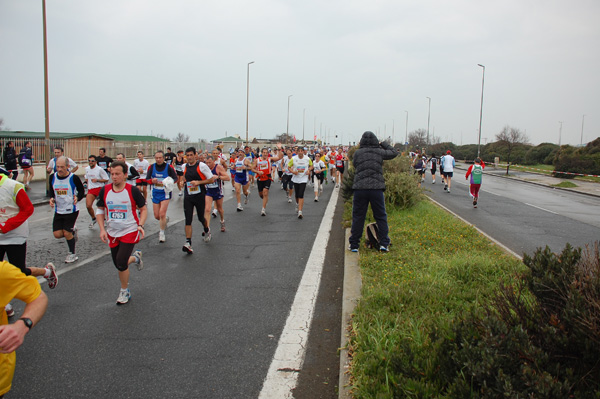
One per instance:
[(448, 174), (129, 238), (299, 190), (287, 182), (141, 182), (241, 180), (262, 184), (341, 169), (215, 193), (64, 222), (160, 196), (94, 191)]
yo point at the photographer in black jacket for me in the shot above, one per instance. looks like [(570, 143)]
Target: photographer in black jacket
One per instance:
[(368, 187)]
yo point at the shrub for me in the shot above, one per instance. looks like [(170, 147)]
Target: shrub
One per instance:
[(402, 190), (539, 338)]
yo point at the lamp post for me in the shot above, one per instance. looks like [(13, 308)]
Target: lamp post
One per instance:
[(480, 111), (247, 98), (428, 118), (303, 118), (287, 131), (406, 134), (559, 132), (46, 101)]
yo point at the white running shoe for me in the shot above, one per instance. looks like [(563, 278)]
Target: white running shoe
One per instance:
[(124, 297), (71, 258), (137, 254), (239, 208), (290, 200), (337, 186), (10, 312), (222, 226), (161, 236), (52, 278), (246, 199), (316, 199), (181, 193), (207, 236), (91, 225), (263, 212), (300, 215), (214, 213), (187, 247), (233, 189)]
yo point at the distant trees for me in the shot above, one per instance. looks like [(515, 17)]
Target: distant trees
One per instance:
[(2, 124), (181, 138), (417, 139), (585, 160), (510, 138)]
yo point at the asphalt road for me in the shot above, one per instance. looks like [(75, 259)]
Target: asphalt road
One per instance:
[(521, 215), (198, 326)]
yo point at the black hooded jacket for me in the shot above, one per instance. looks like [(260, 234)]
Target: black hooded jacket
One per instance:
[(368, 162)]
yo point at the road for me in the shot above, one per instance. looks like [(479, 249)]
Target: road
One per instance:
[(521, 215), (205, 325)]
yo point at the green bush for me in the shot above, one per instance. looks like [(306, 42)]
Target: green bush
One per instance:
[(585, 160), (538, 338), (539, 154)]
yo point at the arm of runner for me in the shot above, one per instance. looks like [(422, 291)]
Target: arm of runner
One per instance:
[(80, 189), (100, 213), (73, 165), (25, 210), (222, 172), (13, 335), (468, 172), (103, 177)]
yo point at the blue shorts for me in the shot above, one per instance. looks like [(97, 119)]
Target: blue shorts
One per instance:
[(159, 196), (448, 174), (216, 193), (243, 180), (251, 173)]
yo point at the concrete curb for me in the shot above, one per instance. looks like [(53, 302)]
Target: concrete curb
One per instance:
[(536, 183), (351, 295)]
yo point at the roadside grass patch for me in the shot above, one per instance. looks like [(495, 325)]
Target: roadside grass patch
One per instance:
[(438, 269), (565, 184)]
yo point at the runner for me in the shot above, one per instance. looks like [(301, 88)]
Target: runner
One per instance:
[(26, 163), (476, 172), (288, 185), (141, 165), (318, 172), (66, 190), (197, 175), (10, 160), (331, 158), (59, 152), (157, 172), (117, 203), (250, 156), (214, 192), (96, 178), (170, 156), (340, 158), (448, 165), (14, 231), (103, 160), (179, 164), (433, 167), (262, 168), (300, 166), (232, 159), (242, 164)]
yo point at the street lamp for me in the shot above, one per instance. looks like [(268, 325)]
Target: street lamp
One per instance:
[(247, 98), (46, 110), (559, 132), (406, 135), (287, 131), (582, 120), (480, 111), (428, 118)]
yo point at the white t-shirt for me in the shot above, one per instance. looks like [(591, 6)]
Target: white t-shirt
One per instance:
[(95, 173), (448, 162), (319, 166), (141, 167), (302, 167)]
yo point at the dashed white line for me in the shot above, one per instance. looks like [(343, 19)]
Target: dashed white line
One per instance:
[(287, 362)]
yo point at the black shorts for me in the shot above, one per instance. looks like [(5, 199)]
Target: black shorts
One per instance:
[(262, 184), (433, 169), (448, 174), (340, 169), (280, 173), (179, 173), (287, 182), (189, 203), (299, 190), (64, 222), (17, 254), (141, 183)]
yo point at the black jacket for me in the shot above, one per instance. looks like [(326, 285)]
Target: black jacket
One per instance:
[(368, 162)]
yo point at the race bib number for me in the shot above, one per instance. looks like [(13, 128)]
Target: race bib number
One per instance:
[(179, 168), (26, 161), (102, 165), (192, 190), (212, 185), (301, 169), (117, 212), (240, 169), (61, 191), (159, 184)]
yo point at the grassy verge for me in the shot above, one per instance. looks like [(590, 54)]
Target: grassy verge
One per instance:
[(547, 170), (438, 268), (565, 184)]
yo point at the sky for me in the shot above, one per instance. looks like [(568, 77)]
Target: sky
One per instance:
[(149, 67)]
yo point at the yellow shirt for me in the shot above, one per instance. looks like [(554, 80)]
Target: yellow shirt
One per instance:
[(13, 284)]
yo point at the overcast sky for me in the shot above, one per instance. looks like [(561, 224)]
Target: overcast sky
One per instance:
[(144, 67)]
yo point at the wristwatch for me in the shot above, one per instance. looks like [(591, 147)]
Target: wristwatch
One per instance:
[(27, 321)]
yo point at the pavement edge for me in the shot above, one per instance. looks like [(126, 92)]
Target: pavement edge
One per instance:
[(351, 294)]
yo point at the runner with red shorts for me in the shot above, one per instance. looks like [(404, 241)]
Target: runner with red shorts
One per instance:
[(117, 203), (96, 177)]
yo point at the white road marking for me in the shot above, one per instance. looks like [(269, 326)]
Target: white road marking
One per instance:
[(287, 362), (541, 208)]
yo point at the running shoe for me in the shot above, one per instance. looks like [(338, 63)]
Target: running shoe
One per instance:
[(181, 193), (433, 182), (214, 213), (222, 226), (290, 200), (296, 207), (91, 225), (187, 247), (352, 249), (161, 236), (233, 189), (52, 278), (337, 186), (246, 199), (263, 212), (475, 203), (239, 208), (384, 249), (124, 297), (207, 236), (10, 312), (137, 254), (316, 199), (445, 187), (448, 191), (300, 215), (71, 258)]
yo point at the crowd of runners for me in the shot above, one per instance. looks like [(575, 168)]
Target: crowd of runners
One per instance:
[(118, 194)]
